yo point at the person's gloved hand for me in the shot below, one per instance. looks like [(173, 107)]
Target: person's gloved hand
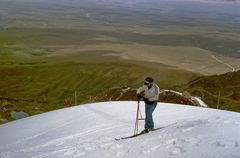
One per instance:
[(139, 96)]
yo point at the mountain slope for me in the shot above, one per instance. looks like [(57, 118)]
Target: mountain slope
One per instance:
[(226, 87), (38, 88), (89, 131)]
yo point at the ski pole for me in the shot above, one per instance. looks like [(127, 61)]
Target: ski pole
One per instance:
[(136, 121), (141, 118)]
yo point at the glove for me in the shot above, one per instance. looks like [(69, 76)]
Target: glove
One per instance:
[(139, 96)]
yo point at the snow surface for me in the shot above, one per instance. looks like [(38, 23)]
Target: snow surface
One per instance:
[(89, 131)]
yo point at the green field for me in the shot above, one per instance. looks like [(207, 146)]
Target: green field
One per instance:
[(43, 87)]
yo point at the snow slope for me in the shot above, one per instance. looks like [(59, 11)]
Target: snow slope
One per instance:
[(89, 131)]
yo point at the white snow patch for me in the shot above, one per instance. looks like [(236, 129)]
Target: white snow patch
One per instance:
[(197, 99)]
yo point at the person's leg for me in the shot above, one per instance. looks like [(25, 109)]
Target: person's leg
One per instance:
[(151, 111), (149, 108)]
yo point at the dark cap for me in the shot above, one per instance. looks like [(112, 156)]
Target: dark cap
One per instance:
[(149, 79)]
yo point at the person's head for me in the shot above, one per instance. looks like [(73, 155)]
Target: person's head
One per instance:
[(148, 81)]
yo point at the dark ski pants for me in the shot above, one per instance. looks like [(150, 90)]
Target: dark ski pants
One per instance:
[(149, 108)]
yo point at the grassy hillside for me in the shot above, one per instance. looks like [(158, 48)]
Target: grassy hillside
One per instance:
[(218, 91), (43, 86)]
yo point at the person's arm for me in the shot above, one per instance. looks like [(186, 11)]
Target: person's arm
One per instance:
[(140, 91)]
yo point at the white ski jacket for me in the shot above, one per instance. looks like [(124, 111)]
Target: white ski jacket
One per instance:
[(151, 94)]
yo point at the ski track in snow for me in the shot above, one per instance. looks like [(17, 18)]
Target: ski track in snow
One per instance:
[(89, 131)]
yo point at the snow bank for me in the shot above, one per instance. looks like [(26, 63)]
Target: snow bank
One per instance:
[(196, 99), (89, 131)]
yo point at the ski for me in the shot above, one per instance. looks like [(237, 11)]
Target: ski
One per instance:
[(133, 136)]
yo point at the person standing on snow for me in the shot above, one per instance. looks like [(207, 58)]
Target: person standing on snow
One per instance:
[(150, 94)]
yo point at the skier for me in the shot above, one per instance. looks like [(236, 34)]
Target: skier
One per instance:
[(150, 94)]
